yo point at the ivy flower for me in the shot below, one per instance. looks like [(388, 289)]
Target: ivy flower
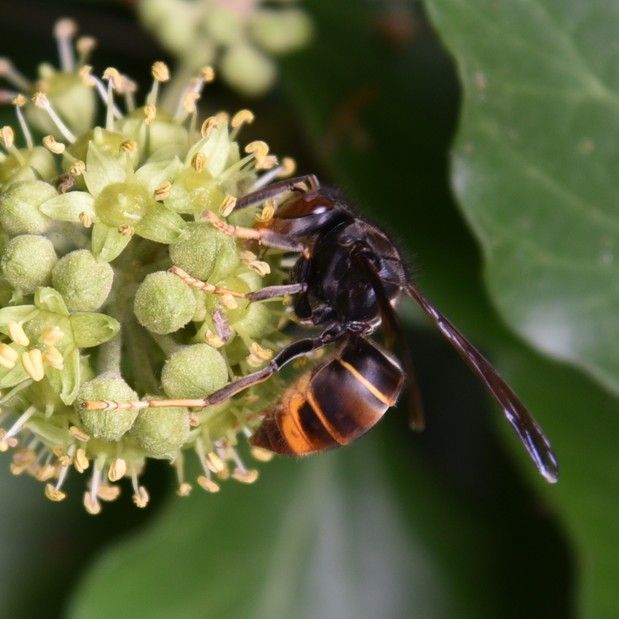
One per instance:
[(111, 278)]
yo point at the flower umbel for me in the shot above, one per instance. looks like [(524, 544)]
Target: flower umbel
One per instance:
[(240, 35), (115, 282)]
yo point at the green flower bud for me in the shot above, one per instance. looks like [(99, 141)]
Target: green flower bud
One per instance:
[(19, 207), (161, 432), (27, 262), (224, 26), (248, 70), (205, 253), (281, 31), (256, 323), (106, 425), (164, 303), (82, 280), (194, 372)]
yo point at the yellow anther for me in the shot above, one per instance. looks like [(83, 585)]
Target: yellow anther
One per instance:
[(7, 136), (227, 206), (214, 462), (65, 460), (52, 335), (160, 71), (80, 462), (128, 86), (117, 469), (65, 28), (113, 75), (263, 353), (213, 340), (207, 74), (150, 113), (77, 168), (190, 99), (85, 74), (141, 498), (85, 219), (198, 162), (194, 420), (163, 191), (267, 212), (208, 484), (17, 333), (208, 125), (40, 100), (260, 267), (32, 360), (20, 100), (261, 454), (79, 434), (85, 45), (266, 163), (107, 492), (129, 146), (245, 476), (53, 494), (242, 117), (22, 459), (8, 356), (91, 504), (288, 166), (228, 301), (222, 118), (258, 148), (184, 489), (50, 142), (53, 357), (126, 230), (45, 472)]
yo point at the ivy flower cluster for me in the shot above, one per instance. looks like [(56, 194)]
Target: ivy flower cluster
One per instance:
[(108, 267), (238, 36)]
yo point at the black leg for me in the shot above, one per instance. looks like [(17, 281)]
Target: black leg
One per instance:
[(297, 349), (275, 189)]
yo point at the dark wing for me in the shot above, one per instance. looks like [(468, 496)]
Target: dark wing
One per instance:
[(396, 341), (526, 427)]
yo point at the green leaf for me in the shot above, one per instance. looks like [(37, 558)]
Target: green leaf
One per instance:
[(536, 148), (266, 550), (102, 169), (69, 206), (66, 382), (91, 329), (161, 225), (107, 242), (50, 300)]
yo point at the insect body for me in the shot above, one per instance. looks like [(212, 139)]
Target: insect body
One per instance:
[(347, 282)]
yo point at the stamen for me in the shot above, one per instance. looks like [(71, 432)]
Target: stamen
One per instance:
[(150, 113), (129, 147), (17, 333), (241, 473), (13, 76), (7, 136), (80, 462), (49, 141), (258, 355), (53, 357), (79, 434), (117, 469), (53, 494), (8, 356), (32, 360), (108, 492), (207, 74), (208, 125), (85, 46), (19, 101), (163, 191), (242, 117), (23, 459), (267, 212), (198, 162), (78, 167), (126, 230), (227, 206), (184, 488), (140, 495), (261, 454), (64, 32), (85, 219), (160, 73), (91, 500), (40, 100), (205, 480)]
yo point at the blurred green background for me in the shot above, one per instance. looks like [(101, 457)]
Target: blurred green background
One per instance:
[(483, 134)]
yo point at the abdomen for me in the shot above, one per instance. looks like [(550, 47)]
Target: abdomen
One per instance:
[(334, 404)]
